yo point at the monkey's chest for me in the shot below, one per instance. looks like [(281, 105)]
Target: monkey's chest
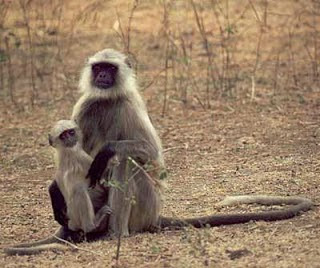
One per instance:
[(101, 121), (68, 181)]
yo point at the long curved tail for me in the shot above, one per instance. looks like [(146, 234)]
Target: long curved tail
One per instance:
[(296, 206), (50, 243), (34, 249)]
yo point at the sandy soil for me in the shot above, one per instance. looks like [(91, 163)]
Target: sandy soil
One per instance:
[(266, 146), (233, 149)]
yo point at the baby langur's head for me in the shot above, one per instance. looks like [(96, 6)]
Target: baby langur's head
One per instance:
[(65, 133)]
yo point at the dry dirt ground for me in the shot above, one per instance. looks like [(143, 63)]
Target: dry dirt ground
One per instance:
[(235, 148), (267, 146)]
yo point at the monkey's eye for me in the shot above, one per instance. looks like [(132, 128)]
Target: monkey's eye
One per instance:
[(96, 68), (66, 134), (71, 132), (63, 135)]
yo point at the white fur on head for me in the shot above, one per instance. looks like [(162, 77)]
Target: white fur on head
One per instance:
[(125, 79), (62, 126)]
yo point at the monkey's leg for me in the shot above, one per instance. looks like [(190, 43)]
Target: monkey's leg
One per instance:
[(58, 204), (50, 243), (120, 199), (60, 214), (119, 203), (80, 209), (36, 247), (146, 209), (98, 196), (102, 225), (102, 217)]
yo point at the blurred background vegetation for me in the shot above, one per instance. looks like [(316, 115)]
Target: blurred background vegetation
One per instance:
[(190, 52)]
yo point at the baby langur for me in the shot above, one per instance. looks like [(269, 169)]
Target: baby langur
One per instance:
[(73, 164)]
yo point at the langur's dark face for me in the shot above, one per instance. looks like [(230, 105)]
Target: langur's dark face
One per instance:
[(68, 137), (104, 75)]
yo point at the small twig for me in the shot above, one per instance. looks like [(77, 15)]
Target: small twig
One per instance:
[(11, 79), (166, 65), (120, 32), (27, 18), (200, 102), (76, 247), (155, 78), (255, 11), (273, 232), (292, 58), (276, 73), (139, 168), (125, 34), (253, 87), (265, 16), (173, 148), (212, 66), (134, 7)]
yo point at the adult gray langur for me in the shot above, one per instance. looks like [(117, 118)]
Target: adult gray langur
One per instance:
[(114, 120)]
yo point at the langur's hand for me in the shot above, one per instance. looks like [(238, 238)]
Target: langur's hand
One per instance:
[(99, 164)]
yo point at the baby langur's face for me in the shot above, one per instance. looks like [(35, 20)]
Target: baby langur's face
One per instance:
[(64, 134)]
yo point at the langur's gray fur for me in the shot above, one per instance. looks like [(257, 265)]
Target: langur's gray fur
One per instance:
[(73, 164), (118, 115)]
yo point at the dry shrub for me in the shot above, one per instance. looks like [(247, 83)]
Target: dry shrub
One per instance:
[(196, 51)]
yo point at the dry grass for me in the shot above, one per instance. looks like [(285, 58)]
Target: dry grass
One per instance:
[(232, 87)]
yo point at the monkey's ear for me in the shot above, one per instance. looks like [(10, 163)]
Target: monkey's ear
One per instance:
[(86, 61), (50, 140), (128, 61)]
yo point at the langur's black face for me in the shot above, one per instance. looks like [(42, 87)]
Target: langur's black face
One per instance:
[(67, 138), (104, 75)]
